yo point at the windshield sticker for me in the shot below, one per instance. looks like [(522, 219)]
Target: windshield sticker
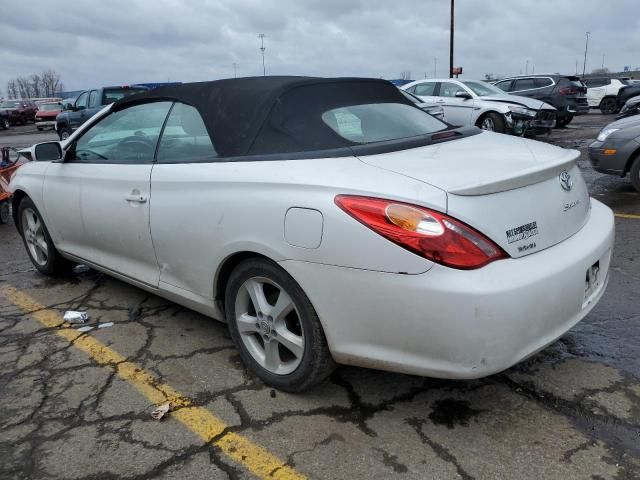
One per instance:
[(522, 232)]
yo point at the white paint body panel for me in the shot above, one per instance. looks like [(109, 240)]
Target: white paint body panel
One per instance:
[(381, 306)]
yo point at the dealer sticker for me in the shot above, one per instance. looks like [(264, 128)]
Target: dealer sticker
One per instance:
[(522, 232)]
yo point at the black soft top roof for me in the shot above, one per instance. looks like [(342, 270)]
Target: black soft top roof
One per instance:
[(269, 115)]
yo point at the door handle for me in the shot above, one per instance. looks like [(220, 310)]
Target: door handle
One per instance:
[(136, 197)]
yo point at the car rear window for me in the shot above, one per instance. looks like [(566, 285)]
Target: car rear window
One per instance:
[(48, 107), (380, 122), (111, 95)]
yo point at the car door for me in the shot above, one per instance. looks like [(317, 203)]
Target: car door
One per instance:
[(525, 87), (107, 171), (187, 197), (94, 105), (78, 115), (457, 111)]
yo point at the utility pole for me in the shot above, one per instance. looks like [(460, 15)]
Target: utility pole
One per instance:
[(603, 61), (451, 43), (235, 70), (576, 67), (586, 48), (262, 49), (435, 67), (526, 68)]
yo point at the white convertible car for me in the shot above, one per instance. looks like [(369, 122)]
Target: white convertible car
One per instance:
[(326, 221)]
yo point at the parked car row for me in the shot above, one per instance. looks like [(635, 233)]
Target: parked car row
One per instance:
[(477, 103), (19, 111)]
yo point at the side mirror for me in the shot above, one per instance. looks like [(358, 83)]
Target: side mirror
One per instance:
[(462, 94), (48, 152)]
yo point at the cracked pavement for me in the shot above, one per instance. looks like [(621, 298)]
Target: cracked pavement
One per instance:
[(570, 412)]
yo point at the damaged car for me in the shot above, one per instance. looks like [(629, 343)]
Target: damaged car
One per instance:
[(326, 221), (471, 102)]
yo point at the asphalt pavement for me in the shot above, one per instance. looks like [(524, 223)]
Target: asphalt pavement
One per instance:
[(78, 406)]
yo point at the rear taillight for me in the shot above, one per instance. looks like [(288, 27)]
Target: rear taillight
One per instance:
[(427, 233), (566, 91)]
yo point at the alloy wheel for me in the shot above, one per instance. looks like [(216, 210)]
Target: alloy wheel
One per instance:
[(34, 236), (487, 124), (64, 135), (269, 325)]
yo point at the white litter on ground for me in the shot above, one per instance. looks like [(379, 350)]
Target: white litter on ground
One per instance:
[(105, 325), (84, 329), (161, 411), (72, 316)]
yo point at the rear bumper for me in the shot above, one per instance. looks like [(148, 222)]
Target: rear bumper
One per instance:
[(459, 324), (45, 123)]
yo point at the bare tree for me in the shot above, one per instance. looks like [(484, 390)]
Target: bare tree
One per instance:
[(51, 83), (36, 84), (405, 75), (24, 87), (12, 89)]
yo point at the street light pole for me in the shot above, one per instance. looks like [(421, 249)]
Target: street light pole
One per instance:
[(451, 43), (435, 67), (262, 49), (586, 47)]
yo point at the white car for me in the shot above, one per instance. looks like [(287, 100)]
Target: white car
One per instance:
[(326, 221), (601, 92), (472, 102)]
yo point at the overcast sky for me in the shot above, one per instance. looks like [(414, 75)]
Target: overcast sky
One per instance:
[(127, 41)]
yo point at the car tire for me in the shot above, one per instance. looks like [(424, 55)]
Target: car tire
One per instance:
[(5, 123), (288, 352), (5, 212), (608, 105), (40, 129), (491, 122), (563, 121), (64, 133), (635, 174), (35, 236)]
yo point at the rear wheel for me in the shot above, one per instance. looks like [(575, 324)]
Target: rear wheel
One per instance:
[(608, 105), (491, 122), (4, 123), (42, 252), (64, 133), (635, 174), (563, 121), (275, 327)]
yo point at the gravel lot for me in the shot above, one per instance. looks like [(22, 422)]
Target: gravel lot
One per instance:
[(78, 407)]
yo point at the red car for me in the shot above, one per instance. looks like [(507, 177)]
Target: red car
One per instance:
[(46, 115), (19, 111)]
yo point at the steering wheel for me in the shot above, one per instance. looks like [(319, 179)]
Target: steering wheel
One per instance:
[(136, 146)]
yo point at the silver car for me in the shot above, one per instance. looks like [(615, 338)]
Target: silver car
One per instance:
[(471, 102), (325, 221)]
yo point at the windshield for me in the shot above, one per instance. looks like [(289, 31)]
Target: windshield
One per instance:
[(483, 89), (48, 107), (9, 104), (380, 121)]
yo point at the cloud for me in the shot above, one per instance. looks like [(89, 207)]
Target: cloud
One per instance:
[(117, 42)]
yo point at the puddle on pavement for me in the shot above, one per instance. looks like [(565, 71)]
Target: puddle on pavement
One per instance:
[(452, 412)]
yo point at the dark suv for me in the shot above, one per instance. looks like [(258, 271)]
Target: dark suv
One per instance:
[(87, 104), (19, 111), (625, 93), (565, 92)]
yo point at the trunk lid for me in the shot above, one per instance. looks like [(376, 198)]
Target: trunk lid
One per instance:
[(508, 188)]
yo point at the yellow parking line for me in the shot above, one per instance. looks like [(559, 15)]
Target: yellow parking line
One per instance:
[(627, 215), (197, 419)]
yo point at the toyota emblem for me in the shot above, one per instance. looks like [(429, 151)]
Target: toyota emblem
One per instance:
[(565, 180)]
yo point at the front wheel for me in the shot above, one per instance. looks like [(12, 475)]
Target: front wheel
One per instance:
[(492, 122), (635, 174), (564, 121), (42, 252), (608, 105), (64, 133), (275, 327)]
